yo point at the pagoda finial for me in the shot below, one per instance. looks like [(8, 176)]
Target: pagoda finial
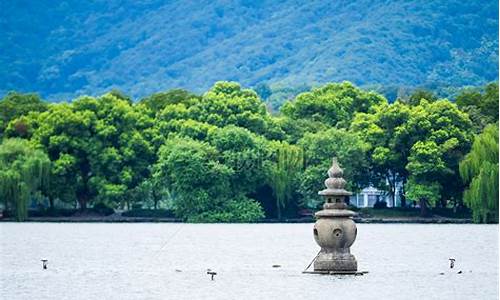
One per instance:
[(335, 180), (335, 170)]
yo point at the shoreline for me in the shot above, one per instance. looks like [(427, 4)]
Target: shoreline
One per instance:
[(116, 219)]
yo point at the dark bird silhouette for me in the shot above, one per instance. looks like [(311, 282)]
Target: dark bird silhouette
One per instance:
[(452, 262), (212, 273), (44, 263)]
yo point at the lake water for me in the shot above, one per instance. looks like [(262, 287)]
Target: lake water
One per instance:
[(169, 261)]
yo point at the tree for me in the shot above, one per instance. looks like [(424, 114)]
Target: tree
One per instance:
[(122, 147), (333, 104), (120, 95), (417, 95), (481, 104), (319, 148), (67, 137), (282, 177), (101, 148), (157, 102), (426, 193), (201, 182), (154, 191), (23, 171), (226, 103), (398, 136), (245, 153), (479, 169), (14, 105), (425, 167), (388, 149), (439, 136)]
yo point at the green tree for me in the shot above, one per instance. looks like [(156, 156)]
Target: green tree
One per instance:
[(426, 166), (24, 170), (398, 135), (282, 177), (120, 95), (439, 136), (226, 103), (333, 104), (426, 193), (280, 94), (158, 101), (14, 105), (67, 137), (101, 148), (417, 95), (245, 153), (154, 191), (481, 104), (479, 169), (192, 169), (122, 151), (388, 146), (319, 148)]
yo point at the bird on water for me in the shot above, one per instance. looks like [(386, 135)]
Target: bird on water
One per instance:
[(212, 273)]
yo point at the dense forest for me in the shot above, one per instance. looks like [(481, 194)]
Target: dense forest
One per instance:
[(223, 157), (67, 48)]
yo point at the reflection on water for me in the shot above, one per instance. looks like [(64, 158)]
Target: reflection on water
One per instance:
[(170, 261)]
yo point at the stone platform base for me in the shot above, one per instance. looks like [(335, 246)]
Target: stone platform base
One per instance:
[(335, 262), (355, 273)]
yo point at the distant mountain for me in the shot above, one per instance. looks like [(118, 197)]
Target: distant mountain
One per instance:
[(62, 49)]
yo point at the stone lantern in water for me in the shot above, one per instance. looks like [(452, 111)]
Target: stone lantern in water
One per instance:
[(335, 231)]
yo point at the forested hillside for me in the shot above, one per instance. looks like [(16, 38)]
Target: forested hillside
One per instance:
[(62, 49)]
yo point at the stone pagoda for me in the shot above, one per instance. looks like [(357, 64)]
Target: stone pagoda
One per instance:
[(335, 231)]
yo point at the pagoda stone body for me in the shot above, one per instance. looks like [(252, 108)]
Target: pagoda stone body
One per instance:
[(335, 231)]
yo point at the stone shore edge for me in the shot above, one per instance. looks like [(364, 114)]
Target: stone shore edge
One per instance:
[(430, 220)]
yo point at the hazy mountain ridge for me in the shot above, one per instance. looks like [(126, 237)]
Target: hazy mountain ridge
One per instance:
[(71, 48)]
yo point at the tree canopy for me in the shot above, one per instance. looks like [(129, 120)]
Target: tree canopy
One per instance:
[(223, 157), (24, 170), (480, 170)]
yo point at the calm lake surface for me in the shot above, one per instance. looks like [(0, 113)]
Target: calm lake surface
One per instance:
[(170, 261)]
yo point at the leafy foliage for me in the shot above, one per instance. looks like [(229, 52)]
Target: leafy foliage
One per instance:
[(193, 171), (480, 169), (23, 171), (332, 104), (283, 173), (426, 193), (388, 146), (157, 102), (440, 135), (98, 147), (319, 148), (482, 106), (14, 105), (222, 157)]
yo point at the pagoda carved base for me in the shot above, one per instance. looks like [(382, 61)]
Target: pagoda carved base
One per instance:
[(329, 261)]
